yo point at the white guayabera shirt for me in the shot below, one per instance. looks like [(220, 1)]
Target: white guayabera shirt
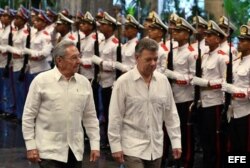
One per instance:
[(136, 114)]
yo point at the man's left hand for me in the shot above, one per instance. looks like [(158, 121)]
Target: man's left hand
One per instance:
[(94, 155), (177, 153)]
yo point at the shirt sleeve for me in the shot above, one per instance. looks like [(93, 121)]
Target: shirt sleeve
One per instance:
[(31, 108), (91, 122), (116, 112), (172, 121)]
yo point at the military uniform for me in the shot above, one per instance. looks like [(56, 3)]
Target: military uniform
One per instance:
[(19, 43), (128, 49), (40, 49), (239, 114), (212, 98), (6, 89)]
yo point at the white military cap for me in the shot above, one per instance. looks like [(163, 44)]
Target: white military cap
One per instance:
[(200, 21), (87, 17), (244, 32), (62, 19), (212, 27), (223, 22), (107, 19), (151, 15), (157, 23), (183, 24), (173, 18), (131, 21)]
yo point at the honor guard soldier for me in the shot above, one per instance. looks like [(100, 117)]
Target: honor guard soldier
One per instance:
[(214, 64), (148, 22), (183, 70), (63, 26), (40, 47), (6, 91), (33, 13), (52, 15), (107, 60), (132, 28), (223, 24), (19, 43), (171, 24), (201, 26), (157, 30), (87, 26), (239, 114)]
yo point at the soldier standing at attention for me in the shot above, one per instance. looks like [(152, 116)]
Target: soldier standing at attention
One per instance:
[(157, 31), (184, 58), (212, 98), (40, 47), (239, 115), (107, 60)]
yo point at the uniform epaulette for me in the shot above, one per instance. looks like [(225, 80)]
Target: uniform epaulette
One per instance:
[(165, 48), (221, 52), (94, 36), (190, 48), (26, 31), (71, 37), (45, 32), (115, 40)]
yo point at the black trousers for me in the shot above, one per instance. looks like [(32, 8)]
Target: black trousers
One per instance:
[(240, 134), (187, 137), (211, 136), (72, 162), (106, 95)]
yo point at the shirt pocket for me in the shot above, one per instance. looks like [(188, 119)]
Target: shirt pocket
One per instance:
[(243, 74), (159, 106), (211, 67), (79, 100), (128, 53)]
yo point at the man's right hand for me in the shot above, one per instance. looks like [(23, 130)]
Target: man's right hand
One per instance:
[(118, 156), (33, 156)]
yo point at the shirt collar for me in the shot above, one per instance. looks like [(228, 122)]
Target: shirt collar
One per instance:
[(59, 76), (136, 74), (183, 47)]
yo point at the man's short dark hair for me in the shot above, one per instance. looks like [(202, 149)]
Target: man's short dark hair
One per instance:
[(146, 44)]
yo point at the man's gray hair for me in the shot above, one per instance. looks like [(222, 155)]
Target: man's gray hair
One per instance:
[(146, 44), (60, 48)]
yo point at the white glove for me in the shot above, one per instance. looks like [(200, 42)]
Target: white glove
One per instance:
[(107, 65), (3, 49), (171, 74), (121, 67), (215, 82), (13, 50), (96, 60), (30, 52), (86, 61), (229, 88), (199, 81)]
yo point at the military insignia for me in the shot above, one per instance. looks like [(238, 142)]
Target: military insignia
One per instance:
[(221, 20), (178, 22), (243, 30), (209, 25)]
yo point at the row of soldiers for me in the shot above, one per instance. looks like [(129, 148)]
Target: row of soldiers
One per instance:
[(27, 39)]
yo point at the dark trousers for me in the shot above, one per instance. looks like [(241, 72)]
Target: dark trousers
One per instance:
[(211, 136), (95, 88), (187, 138), (72, 162), (240, 134), (106, 95), (134, 162)]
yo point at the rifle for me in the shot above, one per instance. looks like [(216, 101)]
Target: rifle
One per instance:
[(170, 65), (78, 44), (96, 52), (118, 54), (26, 57), (9, 57), (229, 77)]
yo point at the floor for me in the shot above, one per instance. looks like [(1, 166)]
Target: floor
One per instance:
[(13, 154)]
